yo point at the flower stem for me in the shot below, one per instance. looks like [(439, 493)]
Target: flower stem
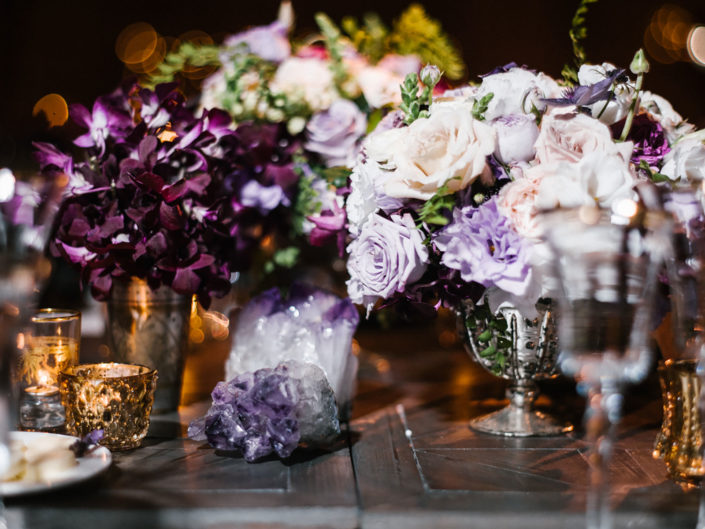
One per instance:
[(632, 108)]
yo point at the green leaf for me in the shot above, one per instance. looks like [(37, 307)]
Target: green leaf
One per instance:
[(479, 107), (488, 351), (286, 257), (485, 336)]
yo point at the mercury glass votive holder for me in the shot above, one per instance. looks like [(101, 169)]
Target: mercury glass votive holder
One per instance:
[(51, 344), (679, 443), (115, 398)]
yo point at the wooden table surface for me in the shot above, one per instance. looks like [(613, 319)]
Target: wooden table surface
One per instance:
[(407, 459)]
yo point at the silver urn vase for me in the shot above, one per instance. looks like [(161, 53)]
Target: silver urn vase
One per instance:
[(520, 350), (151, 328)]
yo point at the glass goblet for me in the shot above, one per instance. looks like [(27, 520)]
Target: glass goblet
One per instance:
[(605, 265)]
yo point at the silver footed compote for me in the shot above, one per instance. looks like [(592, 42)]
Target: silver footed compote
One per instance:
[(606, 264), (518, 349)]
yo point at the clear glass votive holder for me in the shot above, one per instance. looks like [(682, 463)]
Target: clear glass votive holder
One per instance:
[(51, 344), (679, 442), (115, 398)]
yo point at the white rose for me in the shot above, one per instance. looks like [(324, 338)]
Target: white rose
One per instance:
[(306, 79), (615, 109), (515, 91), (597, 179), (568, 136), (662, 111), (449, 147), (686, 161)]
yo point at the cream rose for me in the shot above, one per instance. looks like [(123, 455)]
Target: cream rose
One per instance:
[(517, 202), (379, 86), (449, 147), (306, 79), (567, 136)]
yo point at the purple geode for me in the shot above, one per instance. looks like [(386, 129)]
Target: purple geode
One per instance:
[(270, 411)]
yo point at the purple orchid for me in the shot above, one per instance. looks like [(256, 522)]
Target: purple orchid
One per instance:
[(102, 122), (172, 198)]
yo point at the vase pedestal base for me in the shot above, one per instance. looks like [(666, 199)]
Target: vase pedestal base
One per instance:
[(517, 422)]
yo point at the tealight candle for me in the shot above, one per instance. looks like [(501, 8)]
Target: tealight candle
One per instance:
[(115, 398), (51, 344)]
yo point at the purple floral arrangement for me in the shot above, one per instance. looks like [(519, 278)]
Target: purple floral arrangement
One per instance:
[(323, 90), (445, 194), (159, 193)]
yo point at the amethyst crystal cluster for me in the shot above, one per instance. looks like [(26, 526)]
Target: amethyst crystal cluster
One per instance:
[(270, 411), (291, 362), (311, 325)]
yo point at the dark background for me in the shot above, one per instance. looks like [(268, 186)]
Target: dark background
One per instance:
[(68, 47)]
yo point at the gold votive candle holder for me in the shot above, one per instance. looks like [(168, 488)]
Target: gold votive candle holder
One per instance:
[(115, 398), (679, 442), (51, 344)]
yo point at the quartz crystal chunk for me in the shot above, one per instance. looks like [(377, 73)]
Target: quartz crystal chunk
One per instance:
[(270, 411), (311, 326)]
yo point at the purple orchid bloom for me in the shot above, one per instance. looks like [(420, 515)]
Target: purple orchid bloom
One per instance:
[(104, 121), (329, 224)]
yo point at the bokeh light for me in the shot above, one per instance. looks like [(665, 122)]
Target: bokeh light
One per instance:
[(54, 108), (136, 43), (666, 36), (696, 45), (7, 184)]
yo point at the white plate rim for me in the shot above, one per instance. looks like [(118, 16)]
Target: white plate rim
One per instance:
[(89, 465)]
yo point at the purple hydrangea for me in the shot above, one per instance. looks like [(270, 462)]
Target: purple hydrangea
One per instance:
[(481, 244)]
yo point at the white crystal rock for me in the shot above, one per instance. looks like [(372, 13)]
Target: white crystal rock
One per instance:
[(311, 326)]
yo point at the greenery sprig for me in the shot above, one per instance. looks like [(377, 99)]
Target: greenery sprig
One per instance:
[(577, 33), (187, 55), (433, 210), (479, 107), (331, 37)]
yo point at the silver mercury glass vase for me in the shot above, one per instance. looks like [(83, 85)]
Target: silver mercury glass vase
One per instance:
[(520, 350), (151, 328)]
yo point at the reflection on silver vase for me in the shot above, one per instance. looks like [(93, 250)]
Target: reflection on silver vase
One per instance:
[(150, 327), (517, 349)]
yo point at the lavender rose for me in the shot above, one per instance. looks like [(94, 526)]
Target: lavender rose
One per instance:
[(481, 244), (334, 132), (386, 257), (516, 135)]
